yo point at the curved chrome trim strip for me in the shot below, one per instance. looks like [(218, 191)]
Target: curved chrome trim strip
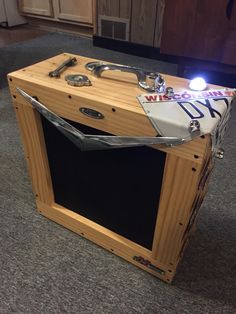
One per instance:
[(97, 142)]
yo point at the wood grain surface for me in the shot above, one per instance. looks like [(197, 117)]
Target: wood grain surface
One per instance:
[(159, 23), (114, 95), (195, 29), (115, 8), (109, 7), (143, 22)]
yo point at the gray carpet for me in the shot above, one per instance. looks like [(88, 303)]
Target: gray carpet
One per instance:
[(45, 268)]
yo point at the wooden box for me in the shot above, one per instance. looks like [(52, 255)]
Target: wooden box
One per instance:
[(140, 203)]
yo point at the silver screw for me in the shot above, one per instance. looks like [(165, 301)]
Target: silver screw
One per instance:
[(169, 91), (194, 126), (219, 153)]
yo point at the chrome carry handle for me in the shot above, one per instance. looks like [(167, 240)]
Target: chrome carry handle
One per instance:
[(96, 142), (149, 81)]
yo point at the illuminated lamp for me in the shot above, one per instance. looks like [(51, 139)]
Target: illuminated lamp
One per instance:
[(198, 84)]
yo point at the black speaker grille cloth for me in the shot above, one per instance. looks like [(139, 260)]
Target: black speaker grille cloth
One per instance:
[(118, 189)]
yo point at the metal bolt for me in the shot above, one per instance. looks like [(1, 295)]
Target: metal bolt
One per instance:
[(160, 85), (156, 82), (219, 153), (169, 91), (194, 126)]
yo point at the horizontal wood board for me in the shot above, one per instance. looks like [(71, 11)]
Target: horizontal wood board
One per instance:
[(114, 95)]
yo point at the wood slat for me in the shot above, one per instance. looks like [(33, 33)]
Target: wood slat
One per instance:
[(103, 237), (125, 9), (177, 196), (70, 10), (184, 187), (37, 7), (35, 152), (114, 95), (143, 22), (109, 7)]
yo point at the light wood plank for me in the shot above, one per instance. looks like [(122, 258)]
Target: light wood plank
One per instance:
[(143, 21), (79, 11), (179, 189), (38, 7), (114, 95), (184, 186), (109, 7), (35, 151)]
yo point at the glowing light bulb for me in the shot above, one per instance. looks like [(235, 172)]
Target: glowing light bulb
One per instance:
[(198, 83)]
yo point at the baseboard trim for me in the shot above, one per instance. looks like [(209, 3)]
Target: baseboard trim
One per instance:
[(133, 49), (154, 53), (48, 25)]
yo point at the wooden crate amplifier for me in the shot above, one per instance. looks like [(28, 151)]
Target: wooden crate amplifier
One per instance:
[(117, 157)]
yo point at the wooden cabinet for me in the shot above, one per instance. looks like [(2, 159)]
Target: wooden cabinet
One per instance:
[(79, 11), (143, 19), (200, 29), (114, 8), (38, 7)]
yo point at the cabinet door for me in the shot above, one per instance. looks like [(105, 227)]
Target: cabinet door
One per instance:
[(71, 10), (195, 28), (39, 7)]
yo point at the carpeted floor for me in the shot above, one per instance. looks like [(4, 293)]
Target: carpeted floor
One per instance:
[(45, 268)]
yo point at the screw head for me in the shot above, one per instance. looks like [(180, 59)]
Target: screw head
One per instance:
[(194, 126), (219, 153), (169, 91)]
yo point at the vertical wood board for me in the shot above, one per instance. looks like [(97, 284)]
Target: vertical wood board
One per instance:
[(125, 9), (38, 7), (178, 193), (159, 23), (109, 7), (80, 10), (143, 22), (35, 151)]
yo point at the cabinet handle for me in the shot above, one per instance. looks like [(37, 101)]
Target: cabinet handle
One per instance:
[(149, 81), (229, 9)]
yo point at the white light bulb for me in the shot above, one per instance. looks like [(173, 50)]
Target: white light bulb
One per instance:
[(198, 83)]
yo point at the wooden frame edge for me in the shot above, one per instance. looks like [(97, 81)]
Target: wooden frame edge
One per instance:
[(105, 238)]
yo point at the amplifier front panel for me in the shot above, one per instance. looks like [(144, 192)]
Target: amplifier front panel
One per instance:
[(118, 188)]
